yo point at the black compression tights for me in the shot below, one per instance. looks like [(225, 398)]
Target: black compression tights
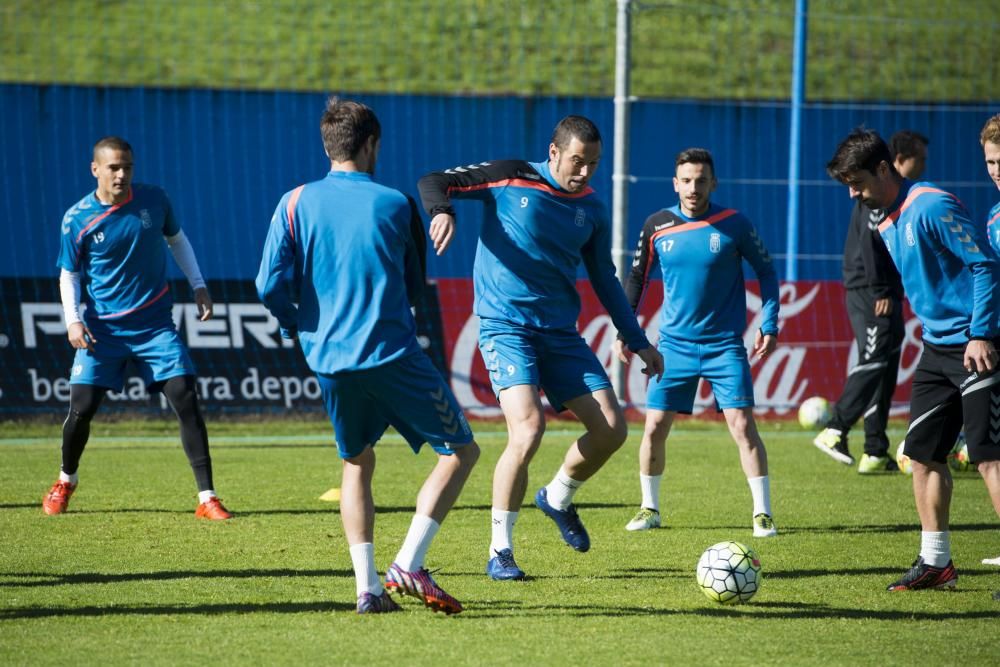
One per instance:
[(181, 394), (84, 399)]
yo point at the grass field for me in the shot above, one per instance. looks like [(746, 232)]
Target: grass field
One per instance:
[(129, 575), (903, 50)]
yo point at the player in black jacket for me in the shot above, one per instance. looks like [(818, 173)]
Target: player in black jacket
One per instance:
[(874, 305)]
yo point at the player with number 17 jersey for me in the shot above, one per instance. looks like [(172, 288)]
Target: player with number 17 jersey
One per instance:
[(701, 260)]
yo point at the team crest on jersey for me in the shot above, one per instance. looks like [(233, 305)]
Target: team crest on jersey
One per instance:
[(715, 242), (147, 221), (911, 240), (99, 237), (581, 217)]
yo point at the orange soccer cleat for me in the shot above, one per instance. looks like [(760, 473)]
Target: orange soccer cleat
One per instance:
[(57, 499), (213, 510)]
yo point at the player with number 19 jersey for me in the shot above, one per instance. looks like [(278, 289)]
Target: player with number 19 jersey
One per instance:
[(120, 251)]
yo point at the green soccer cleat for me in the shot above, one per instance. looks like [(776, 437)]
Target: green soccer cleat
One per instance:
[(875, 464), (833, 443), (644, 519)]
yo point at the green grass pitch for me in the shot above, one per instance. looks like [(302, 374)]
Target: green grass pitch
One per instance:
[(130, 576)]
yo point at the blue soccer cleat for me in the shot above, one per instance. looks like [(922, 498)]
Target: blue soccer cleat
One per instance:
[(568, 521), (503, 568), (376, 604)]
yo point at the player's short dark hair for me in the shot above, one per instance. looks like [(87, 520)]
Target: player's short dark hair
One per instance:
[(345, 127), (861, 150), (114, 143), (575, 126), (695, 156), (991, 131), (907, 143)]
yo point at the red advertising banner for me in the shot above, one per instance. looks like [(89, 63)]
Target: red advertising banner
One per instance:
[(815, 351)]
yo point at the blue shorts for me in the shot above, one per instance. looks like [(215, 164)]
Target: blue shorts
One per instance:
[(409, 394), (157, 353), (723, 364), (559, 362)]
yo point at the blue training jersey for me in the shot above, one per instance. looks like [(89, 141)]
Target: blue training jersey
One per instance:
[(350, 253), (701, 259), (121, 254), (993, 228), (950, 272), (534, 237)]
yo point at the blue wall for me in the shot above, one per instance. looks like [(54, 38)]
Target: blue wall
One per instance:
[(226, 158)]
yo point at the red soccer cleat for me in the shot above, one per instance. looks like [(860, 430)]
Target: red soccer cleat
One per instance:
[(213, 510), (57, 499)]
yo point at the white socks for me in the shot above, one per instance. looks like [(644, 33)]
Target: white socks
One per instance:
[(935, 547), (414, 550), (760, 490), (561, 489), (72, 479), (503, 531), (205, 496), (650, 485), (366, 579)]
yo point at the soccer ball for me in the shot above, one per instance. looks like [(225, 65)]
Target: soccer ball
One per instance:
[(958, 459), (903, 461), (814, 412), (729, 572)]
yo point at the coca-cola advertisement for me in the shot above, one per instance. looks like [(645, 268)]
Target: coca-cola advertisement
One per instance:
[(245, 366)]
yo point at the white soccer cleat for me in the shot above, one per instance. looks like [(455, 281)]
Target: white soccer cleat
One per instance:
[(644, 520), (763, 526)]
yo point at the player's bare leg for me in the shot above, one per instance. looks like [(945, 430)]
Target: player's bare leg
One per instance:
[(522, 409), (990, 472), (753, 459), (932, 487), (357, 507), (743, 429), (525, 416), (607, 430), (444, 484), (652, 463)]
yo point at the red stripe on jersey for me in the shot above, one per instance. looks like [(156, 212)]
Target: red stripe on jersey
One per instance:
[(96, 220), (910, 198), (521, 183), (993, 219), (290, 210), (149, 303), (697, 224)]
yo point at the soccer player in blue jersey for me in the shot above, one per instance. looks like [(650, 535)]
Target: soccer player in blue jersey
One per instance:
[(695, 244), (113, 242), (343, 262), (874, 299), (990, 139), (951, 276), (542, 221)]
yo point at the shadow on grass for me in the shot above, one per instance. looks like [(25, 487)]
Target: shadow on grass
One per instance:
[(886, 528), (59, 579), (171, 610), (752, 611)]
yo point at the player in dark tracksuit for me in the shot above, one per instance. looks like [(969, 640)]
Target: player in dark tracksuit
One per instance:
[(875, 308), (951, 277)]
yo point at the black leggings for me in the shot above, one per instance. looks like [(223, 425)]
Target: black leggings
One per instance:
[(180, 392)]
